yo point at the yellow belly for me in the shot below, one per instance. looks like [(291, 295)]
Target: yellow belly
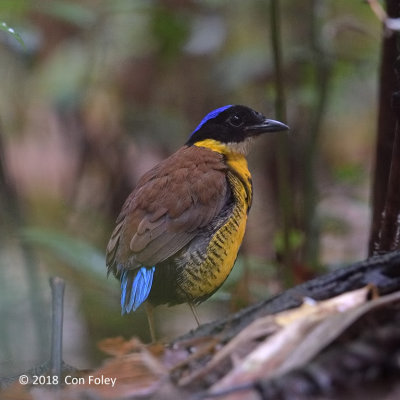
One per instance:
[(202, 280), (205, 273)]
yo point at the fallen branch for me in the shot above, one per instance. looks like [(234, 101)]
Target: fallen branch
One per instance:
[(383, 272)]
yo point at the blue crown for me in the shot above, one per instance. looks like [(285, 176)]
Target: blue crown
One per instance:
[(211, 115)]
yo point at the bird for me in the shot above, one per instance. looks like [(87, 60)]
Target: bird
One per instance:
[(178, 234)]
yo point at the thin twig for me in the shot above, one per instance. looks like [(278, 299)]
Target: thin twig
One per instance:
[(322, 66), (285, 196), (57, 291), (377, 9), (391, 24)]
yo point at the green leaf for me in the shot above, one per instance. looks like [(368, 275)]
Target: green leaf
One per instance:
[(5, 28), (77, 253), (71, 12), (170, 30), (296, 239), (349, 173)]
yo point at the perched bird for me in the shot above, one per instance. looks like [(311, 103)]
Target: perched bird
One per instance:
[(179, 232)]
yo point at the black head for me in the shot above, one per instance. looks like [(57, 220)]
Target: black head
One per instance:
[(233, 124)]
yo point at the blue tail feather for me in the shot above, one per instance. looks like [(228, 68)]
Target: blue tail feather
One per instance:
[(135, 287), (149, 281), (142, 287), (137, 282), (124, 284)]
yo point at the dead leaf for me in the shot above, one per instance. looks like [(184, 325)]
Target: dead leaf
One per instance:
[(323, 308), (119, 346), (16, 392), (135, 374), (297, 324)]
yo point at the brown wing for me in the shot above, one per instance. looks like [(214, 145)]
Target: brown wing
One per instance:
[(167, 208)]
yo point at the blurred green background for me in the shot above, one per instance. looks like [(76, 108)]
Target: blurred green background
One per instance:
[(100, 91)]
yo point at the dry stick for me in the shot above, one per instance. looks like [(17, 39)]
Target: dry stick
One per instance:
[(55, 365), (57, 291)]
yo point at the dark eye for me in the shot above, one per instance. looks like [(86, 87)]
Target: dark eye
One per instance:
[(235, 120)]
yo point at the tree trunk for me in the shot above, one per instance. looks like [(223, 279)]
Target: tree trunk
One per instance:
[(386, 210)]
